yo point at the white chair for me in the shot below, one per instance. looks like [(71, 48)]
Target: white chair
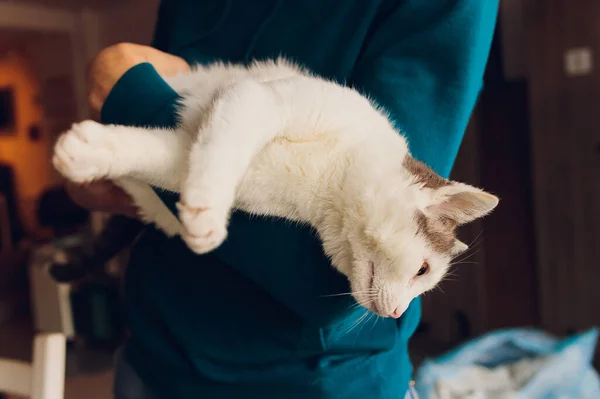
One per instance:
[(50, 301), (44, 378)]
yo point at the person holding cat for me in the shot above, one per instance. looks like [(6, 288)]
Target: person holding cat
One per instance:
[(253, 319)]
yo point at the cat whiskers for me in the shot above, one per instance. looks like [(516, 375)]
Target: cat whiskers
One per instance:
[(439, 287), (363, 325), (472, 251), (377, 317), (465, 258), (477, 240), (449, 276), (357, 322), (350, 293), (370, 295)]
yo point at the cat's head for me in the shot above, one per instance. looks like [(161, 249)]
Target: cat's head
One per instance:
[(400, 238)]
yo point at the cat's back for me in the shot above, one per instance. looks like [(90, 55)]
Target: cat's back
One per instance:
[(275, 69), (207, 79), (199, 87)]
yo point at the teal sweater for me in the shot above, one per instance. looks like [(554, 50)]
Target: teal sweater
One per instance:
[(252, 319)]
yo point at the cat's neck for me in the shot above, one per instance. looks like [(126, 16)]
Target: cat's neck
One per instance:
[(350, 189)]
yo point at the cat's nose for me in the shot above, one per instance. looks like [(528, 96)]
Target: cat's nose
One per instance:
[(396, 313)]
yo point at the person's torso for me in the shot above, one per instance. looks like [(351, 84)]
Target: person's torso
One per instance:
[(205, 329)]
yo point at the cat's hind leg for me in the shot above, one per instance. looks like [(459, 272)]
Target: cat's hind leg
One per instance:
[(243, 120)]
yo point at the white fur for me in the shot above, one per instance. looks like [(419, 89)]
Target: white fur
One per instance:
[(273, 140)]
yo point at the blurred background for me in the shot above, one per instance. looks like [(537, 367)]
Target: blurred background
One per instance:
[(533, 139)]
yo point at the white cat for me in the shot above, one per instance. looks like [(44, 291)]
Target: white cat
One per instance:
[(271, 139)]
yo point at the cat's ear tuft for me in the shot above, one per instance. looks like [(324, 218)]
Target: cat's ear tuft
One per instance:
[(461, 203), (458, 248)]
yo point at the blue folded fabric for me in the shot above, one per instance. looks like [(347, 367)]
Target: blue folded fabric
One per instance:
[(566, 372)]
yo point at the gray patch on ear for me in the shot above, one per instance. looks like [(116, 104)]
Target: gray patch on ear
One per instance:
[(440, 232), (424, 174)]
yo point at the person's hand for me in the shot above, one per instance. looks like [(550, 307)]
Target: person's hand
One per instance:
[(111, 64), (102, 196), (103, 73)]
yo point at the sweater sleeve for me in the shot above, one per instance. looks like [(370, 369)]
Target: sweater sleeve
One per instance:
[(424, 64), (142, 98)]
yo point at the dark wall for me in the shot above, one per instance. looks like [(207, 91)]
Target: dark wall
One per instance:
[(496, 286), (565, 131), (511, 276)]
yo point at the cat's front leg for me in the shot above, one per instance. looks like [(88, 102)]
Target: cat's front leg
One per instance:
[(134, 158), (85, 153), (92, 151)]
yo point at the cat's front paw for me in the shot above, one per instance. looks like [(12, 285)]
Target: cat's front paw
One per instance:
[(84, 153), (204, 228)]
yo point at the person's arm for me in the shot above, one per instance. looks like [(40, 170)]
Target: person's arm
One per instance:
[(424, 64)]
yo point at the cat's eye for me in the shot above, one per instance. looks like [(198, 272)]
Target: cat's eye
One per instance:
[(423, 270)]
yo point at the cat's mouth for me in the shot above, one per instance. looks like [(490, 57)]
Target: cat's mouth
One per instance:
[(371, 275)]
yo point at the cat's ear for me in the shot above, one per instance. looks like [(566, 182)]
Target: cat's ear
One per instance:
[(460, 202)]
